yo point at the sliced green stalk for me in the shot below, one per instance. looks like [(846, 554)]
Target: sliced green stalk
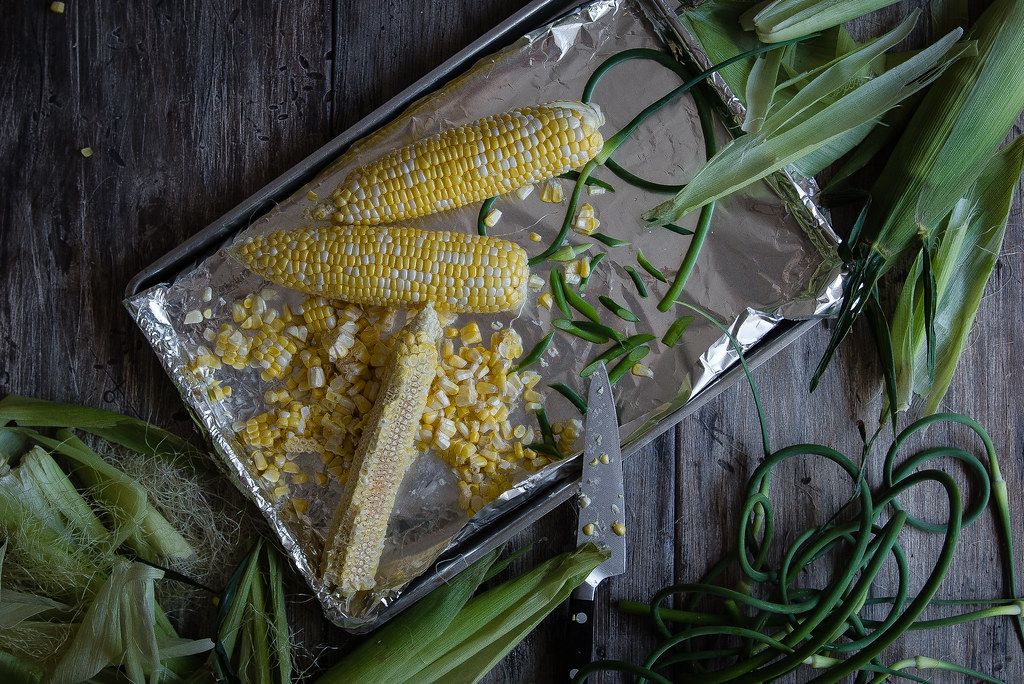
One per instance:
[(676, 330), (578, 303), (617, 309), (649, 267), (617, 350), (573, 328), (569, 393), (638, 283), (622, 367), (558, 292), (534, 354), (609, 240)]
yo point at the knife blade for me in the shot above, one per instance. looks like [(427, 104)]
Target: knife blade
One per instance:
[(602, 513)]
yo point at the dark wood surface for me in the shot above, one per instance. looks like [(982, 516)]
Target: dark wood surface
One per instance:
[(192, 106)]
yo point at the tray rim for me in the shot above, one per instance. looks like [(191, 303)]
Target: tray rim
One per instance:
[(535, 14)]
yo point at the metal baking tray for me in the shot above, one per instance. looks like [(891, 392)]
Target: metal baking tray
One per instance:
[(475, 541)]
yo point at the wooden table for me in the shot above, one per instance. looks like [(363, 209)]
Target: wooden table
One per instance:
[(190, 107)]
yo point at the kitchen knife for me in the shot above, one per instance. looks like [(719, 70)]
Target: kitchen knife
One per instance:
[(602, 516)]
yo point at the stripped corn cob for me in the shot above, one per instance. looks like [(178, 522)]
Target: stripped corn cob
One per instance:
[(472, 162), (386, 450), (392, 266)]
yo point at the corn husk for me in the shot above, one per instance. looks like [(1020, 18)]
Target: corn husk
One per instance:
[(779, 20), (450, 637), (492, 623), (118, 629), (960, 266), (814, 117), (959, 124), (953, 134)]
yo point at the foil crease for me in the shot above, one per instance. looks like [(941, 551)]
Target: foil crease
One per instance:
[(771, 258)]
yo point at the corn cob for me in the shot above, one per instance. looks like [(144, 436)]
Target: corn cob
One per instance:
[(391, 266), (386, 450), (470, 163)]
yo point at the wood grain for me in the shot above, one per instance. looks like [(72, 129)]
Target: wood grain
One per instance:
[(190, 107)]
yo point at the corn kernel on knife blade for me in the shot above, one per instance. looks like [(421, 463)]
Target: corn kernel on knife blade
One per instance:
[(602, 515)]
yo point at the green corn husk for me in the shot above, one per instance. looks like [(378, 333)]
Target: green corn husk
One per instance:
[(118, 629), (953, 134), (450, 637), (131, 433), (809, 121), (136, 522), (961, 122), (776, 21), (492, 623), (965, 254), (392, 652), (252, 642)]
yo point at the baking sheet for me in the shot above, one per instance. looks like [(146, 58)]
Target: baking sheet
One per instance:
[(768, 259)]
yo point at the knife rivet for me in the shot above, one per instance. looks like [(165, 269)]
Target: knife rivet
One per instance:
[(580, 618)]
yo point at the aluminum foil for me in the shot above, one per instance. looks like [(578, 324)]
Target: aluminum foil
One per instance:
[(770, 257)]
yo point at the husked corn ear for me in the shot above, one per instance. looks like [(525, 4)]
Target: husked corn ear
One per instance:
[(386, 449), (391, 266), (470, 163)]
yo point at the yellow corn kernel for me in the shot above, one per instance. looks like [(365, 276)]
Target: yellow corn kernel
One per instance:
[(393, 266), (551, 191), (545, 300), (535, 237), (641, 370), (386, 450), (470, 334), (492, 218), (524, 191), (470, 163), (300, 505)]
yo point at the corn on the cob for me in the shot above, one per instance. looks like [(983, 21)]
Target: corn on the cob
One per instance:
[(391, 266), (472, 162), (386, 450)]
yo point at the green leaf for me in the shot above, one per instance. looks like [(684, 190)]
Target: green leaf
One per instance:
[(785, 19), (131, 433), (492, 623), (392, 653), (804, 124), (961, 122), (760, 89), (117, 629), (966, 253)]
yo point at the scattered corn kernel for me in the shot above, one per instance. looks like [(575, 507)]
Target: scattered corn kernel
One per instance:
[(57, 7), (535, 237), (194, 316), (641, 370), (545, 300), (589, 529), (86, 152), (492, 218)]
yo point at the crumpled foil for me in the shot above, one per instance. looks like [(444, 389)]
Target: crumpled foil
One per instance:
[(770, 257)]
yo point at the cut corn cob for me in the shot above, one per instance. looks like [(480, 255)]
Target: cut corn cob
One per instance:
[(392, 266), (386, 450), (470, 163)]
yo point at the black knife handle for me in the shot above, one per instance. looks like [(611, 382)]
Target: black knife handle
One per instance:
[(580, 633)]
